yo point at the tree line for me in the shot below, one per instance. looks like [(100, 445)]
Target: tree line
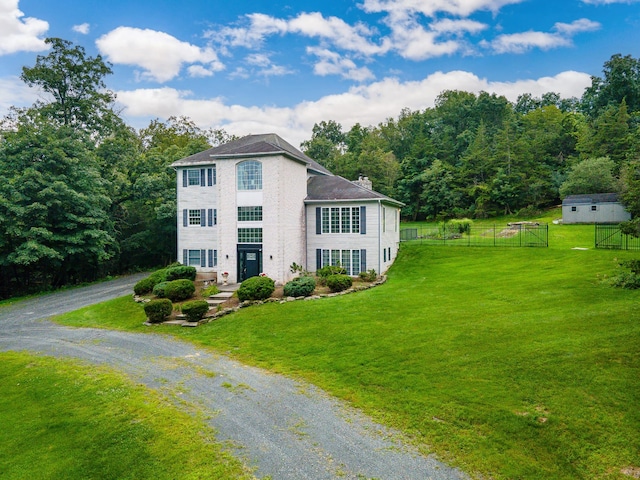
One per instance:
[(479, 155), (83, 195)]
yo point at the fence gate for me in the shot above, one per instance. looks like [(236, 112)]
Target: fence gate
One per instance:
[(611, 237)]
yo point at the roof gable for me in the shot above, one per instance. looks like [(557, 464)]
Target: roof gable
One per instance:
[(252, 146)]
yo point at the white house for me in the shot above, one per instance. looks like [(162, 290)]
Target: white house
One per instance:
[(593, 208), (257, 205)]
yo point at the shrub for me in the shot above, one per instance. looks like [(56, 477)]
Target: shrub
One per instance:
[(370, 276), (210, 290), (159, 290), (331, 270), (339, 282), (256, 288), (195, 310), (178, 290), (158, 310), (300, 287), (181, 271), (144, 286)]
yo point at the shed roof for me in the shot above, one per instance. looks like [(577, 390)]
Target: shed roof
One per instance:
[(336, 188), (591, 198), (252, 146)]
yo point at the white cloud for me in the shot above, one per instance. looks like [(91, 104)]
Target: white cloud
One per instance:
[(83, 28), (159, 54), (19, 33), (403, 8), (199, 71), (260, 27), (15, 93), (332, 63), (367, 104), (523, 42)]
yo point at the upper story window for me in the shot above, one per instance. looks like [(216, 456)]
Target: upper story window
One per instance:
[(201, 177), (249, 214), (249, 175)]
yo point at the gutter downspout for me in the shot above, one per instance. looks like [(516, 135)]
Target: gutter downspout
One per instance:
[(379, 235)]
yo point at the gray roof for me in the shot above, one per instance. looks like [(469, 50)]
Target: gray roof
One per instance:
[(335, 188), (591, 198), (252, 146)]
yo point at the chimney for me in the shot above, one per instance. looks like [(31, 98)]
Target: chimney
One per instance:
[(364, 182)]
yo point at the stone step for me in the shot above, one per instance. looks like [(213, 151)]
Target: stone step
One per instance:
[(221, 295)]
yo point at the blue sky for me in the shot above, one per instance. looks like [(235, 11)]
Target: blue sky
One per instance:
[(281, 66)]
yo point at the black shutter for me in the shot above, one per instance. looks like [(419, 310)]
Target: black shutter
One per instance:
[(202, 177), (210, 217), (363, 260), (318, 220), (185, 257), (209, 177), (185, 218), (185, 181), (318, 259), (363, 220), (203, 217), (203, 258), (210, 258), (215, 216)]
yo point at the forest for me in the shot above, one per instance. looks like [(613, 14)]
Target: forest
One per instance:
[(84, 196)]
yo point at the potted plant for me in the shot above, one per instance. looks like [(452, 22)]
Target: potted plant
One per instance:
[(225, 275)]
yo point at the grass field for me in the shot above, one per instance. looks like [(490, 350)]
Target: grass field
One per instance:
[(65, 420), (511, 363)]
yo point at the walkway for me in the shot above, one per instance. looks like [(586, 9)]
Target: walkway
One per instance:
[(285, 429)]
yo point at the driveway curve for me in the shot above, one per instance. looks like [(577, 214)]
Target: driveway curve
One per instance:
[(284, 429)]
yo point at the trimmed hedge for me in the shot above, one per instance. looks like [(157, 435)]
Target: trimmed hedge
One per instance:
[(195, 310), (146, 285), (159, 290), (158, 310), (178, 290), (256, 288), (300, 287), (181, 271), (339, 282)]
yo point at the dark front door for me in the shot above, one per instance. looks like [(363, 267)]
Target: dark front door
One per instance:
[(249, 261)]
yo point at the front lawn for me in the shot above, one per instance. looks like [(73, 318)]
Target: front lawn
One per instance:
[(507, 362)]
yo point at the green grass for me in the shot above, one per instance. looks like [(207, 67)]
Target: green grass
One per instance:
[(65, 420), (508, 362)]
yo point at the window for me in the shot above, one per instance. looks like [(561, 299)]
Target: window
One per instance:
[(193, 177), (574, 209), (249, 214), (348, 259), (193, 258), (195, 217), (249, 235), (249, 175), (594, 208), (340, 219)]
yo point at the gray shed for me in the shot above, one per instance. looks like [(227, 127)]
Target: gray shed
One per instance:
[(594, 208)]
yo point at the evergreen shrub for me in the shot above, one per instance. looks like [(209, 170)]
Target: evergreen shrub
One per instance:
[(256, 288), (300, 287), (181, 271), (178, 290), (143, 286), (159, 290), (339, 282), (158, 310), (195, 310)]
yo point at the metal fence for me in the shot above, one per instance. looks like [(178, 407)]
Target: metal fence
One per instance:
[(517, 234), (611, 237)]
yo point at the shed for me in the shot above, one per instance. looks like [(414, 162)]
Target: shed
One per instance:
[(594, 208)]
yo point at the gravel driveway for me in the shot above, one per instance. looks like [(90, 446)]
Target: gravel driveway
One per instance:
[(283, 428)]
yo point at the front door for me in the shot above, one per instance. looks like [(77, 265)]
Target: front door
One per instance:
[(249, 261)]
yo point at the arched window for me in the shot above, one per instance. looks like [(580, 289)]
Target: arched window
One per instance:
[(249, 175)]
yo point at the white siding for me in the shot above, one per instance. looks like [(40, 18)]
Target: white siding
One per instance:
[(607, 212)]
